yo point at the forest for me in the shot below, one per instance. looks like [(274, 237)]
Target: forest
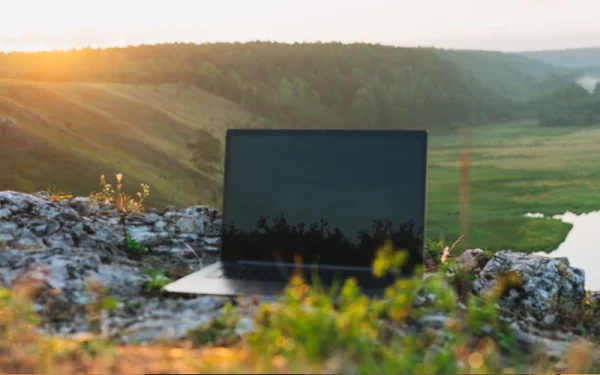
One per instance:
[(572, 106), (301, 85)]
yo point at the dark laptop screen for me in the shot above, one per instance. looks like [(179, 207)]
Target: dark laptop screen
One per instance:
[(332, 197)]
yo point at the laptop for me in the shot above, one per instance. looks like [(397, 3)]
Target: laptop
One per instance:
[(318, 202)]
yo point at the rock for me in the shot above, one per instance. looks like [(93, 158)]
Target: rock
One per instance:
[(5, 213), (79, 241), (543, 280), (185, 225), (163, 318), (472, 259), (549, 320), (435, 321), (26, 240)]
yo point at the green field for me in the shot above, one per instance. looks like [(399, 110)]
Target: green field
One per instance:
[(515, 168)]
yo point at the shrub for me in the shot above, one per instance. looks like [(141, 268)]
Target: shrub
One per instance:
[(58, 194), (119, 199), (134, 247), (158, 280)]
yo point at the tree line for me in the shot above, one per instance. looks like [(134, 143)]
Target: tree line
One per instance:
[(571, 106), (294, 85)]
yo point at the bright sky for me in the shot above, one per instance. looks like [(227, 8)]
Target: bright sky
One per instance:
[(508, 25)]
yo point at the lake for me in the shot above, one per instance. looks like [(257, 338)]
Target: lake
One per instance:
[(581, 245)]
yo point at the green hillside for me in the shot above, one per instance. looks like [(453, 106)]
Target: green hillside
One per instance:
[(510, 74), (158, 114), (67, 134), (308, 85)]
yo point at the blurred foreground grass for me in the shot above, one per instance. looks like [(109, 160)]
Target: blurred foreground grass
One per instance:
[(305, 331)]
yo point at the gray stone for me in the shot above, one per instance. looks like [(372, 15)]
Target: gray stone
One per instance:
[(7, 227), (6, 238), (160, 225), (164, 319), (74, 246), (543, 280), (472, 259), (549, 319), (5, 213), (26, 240), (185, 225)]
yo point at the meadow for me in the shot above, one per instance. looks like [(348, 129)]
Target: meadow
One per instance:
[(515, 168)]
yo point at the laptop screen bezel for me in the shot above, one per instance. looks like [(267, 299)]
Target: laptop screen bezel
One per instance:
[(421, 135)]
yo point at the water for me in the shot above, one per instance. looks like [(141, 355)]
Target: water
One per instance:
[(581, 246)]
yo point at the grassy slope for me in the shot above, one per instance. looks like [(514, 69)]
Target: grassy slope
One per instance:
[(68, 134), (516, 168)]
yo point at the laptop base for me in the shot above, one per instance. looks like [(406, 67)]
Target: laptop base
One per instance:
[(203, 282)]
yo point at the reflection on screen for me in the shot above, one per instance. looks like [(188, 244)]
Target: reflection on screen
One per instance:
[(333, 199)]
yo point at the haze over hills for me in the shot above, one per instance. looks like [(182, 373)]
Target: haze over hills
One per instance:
[(572, 58)]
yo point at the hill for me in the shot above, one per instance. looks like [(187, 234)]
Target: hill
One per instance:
[(308, 85), (509, 74), (68, 134), (574, 58), (157, 114)]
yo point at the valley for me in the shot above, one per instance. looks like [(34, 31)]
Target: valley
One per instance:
[(137, 111)]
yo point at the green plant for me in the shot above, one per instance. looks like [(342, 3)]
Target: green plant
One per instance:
[(460, 277), (119, 199), (218, 331), (506, 341), (434, 249), (57, 194), (3, 244), (134, 247), (349, 332), (158, 280)]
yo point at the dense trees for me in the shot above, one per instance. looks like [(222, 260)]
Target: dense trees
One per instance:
[(572, 105), (308, 85), (336, 85)]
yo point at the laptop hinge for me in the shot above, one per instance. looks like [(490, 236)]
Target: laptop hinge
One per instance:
[(306, 265)]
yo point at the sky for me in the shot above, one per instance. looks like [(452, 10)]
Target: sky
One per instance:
[(506, 25)]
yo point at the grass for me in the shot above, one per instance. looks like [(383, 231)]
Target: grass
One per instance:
[(158, 281), (516, 168), (116, 198), (134, 247), (306, 330), (67, 134)]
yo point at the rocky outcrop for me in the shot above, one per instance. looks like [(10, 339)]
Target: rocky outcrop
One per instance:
[(542, 284), (56, 250)]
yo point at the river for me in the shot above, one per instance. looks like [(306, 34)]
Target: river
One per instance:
[(581, 246)]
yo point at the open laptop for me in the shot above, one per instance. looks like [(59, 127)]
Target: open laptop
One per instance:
[(325, 200)]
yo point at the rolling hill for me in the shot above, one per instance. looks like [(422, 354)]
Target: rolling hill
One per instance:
[(293, 85), (510, 74), (68, 134), (573, 58)]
